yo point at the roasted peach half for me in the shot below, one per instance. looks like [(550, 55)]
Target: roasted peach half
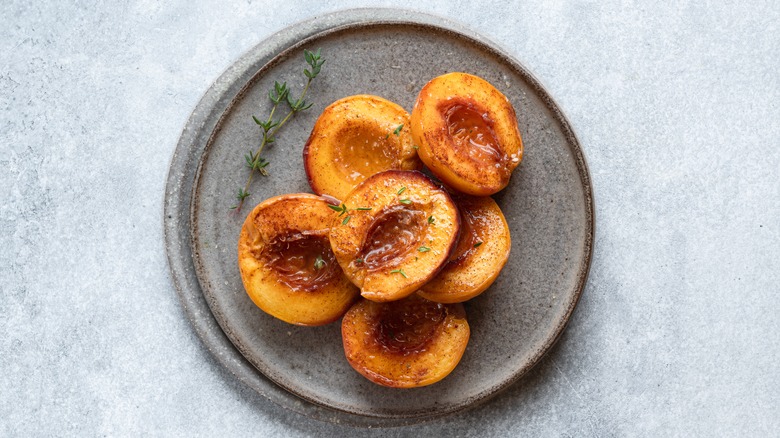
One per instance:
[(286, 263), (354, 138), (467, 133), (393, 233), (482, 251), (404, 344)]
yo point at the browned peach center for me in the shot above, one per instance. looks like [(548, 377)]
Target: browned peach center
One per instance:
[(302, 261), (471, 130), (406, 327), (467, 239), (393, 233), (361, 152)]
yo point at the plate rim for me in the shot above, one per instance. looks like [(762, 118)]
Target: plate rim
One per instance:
[(221, 96)]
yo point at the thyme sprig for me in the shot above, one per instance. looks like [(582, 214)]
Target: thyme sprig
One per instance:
[(343, 209), (279, 94)]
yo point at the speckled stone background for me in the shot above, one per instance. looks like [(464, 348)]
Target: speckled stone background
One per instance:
[(676, 107)]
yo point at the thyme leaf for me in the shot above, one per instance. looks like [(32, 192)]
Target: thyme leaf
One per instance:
[(399, 271), (319, 263)]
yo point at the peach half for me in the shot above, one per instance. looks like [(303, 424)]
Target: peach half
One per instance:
[(393, 233), (405, 344), (286, 263), (482, 251), (354, 138), (467, 133)]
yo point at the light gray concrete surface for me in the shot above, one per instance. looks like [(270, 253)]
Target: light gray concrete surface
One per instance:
[(676, 106)]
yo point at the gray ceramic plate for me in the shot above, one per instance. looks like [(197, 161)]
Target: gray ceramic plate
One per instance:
[(390, 53)]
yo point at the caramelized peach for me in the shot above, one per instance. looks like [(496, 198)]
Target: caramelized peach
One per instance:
[(467, 133), (286, 263), (393, 233), (405, 344), (482, 251), (354, 138)]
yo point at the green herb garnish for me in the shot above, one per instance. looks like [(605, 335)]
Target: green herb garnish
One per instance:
[(241, 196), (343, 209), (399, 271), (279, 94), (340, 208)]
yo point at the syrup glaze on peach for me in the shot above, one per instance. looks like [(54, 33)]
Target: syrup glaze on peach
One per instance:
[(471, 228), (378, 248), (407, 343), (286, 263), (408, 327), (304, 262), (472, 133), (354, 138), (467, 133), (362, 151), (394, 233), (480, 255)]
